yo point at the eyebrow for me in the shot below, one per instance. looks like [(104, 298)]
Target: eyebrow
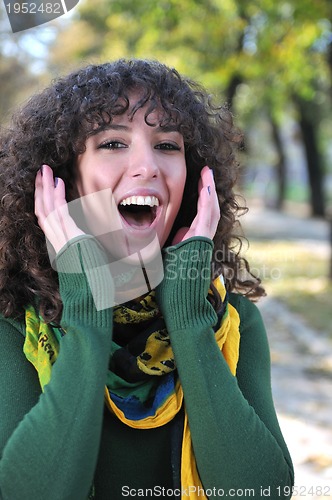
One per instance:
[(113, 126), (160, 128), (168, 128)]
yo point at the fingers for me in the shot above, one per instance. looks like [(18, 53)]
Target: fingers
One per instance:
[(44, 194), (208, 212), (51, 209), (208, 184)]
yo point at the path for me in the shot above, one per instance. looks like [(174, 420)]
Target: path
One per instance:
[(301, 364), (302, 388), (268, 224)]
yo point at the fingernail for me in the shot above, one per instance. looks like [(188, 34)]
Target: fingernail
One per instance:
[(211, 170), (209, 189), (56, 181), (41, 170)]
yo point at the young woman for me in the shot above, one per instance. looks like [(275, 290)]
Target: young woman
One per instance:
[(107, 392)]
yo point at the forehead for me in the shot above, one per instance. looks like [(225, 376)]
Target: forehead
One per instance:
[(151, 115), (150, 109), (137, 105), (137, 109)]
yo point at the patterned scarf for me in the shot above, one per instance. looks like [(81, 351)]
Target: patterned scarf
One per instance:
[(142, 388)]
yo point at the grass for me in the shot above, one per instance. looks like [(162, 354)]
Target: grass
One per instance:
[(296, 274)]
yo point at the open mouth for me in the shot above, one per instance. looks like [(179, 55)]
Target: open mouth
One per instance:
[(139, 211)]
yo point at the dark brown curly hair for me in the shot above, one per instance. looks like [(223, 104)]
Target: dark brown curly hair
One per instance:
[(52, 128)]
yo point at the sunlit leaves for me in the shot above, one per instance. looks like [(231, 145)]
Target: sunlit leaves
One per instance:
[(276, 48), (281, 42)]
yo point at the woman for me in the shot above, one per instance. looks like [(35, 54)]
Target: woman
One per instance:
[(187, 409)]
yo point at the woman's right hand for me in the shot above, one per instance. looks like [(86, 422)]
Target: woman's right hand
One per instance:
[(208, 211), (51, 209)]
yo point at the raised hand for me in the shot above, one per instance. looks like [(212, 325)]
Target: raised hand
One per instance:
[(208, 212), (51, 209)]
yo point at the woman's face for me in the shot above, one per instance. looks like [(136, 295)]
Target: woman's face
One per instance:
[(140, 172)]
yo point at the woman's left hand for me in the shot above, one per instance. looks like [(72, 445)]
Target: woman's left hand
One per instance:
[(208, 212)]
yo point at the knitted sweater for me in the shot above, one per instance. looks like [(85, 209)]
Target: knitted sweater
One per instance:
[(54, 445)]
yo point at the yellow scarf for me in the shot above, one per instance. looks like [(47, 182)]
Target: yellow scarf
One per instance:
[(41, 348)]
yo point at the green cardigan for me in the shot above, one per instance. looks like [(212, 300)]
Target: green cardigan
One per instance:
[(54, 445)]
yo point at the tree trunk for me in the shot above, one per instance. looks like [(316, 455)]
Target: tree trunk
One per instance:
[(280, 166), (231, 90), (330, 273), (313, 157), (329, 61)]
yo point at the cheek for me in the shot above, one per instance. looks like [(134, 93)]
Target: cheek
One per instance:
[(179, 190), (180, 182), (91, 180), (82, 177)]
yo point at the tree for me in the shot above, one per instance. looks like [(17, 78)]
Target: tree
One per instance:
[(17, 81), (281, 162), (275, 48)]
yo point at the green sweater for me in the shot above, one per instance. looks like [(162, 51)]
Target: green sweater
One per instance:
[(54, 445)]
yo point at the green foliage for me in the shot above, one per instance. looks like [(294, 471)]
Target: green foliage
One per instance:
[(16, 79), (257, 54), (272, 50), (280, 47)]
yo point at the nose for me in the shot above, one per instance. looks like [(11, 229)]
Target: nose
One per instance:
[(143, 163)]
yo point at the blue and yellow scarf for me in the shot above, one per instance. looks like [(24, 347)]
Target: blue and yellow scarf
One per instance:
[(142, 367)]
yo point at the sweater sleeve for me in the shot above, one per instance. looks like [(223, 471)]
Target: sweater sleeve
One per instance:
[(235, 433), (49, 442)]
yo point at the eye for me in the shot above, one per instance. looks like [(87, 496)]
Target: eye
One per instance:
[(168, 146), (112, 145)]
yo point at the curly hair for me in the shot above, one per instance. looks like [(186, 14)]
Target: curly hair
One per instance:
[(52, 128)]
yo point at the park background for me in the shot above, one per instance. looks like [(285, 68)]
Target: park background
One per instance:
[(271, 62)]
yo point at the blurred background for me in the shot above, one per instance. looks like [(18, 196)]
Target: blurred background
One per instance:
[(271, 62)]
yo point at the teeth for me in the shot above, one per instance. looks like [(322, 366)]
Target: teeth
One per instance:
[(150, 201)]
